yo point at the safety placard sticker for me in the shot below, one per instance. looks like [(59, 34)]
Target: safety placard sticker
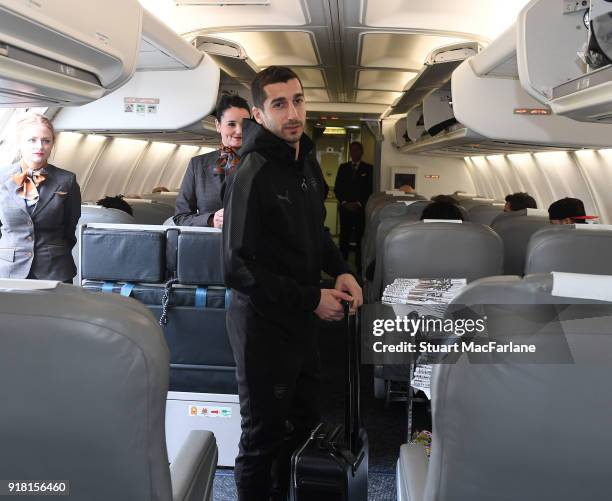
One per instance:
[(140, 105), (210, 411)]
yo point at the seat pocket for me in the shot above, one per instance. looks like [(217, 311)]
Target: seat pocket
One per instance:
[(7, 254)]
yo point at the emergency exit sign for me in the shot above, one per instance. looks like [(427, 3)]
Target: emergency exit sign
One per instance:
[(432, 176)]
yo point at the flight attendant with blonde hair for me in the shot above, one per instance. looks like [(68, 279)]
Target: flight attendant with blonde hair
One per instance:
[(40, 206)]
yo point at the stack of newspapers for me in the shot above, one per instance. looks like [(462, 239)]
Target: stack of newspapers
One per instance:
[(426, 292), (427, 298)]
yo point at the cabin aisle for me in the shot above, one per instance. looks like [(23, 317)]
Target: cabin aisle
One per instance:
[(386, 427)]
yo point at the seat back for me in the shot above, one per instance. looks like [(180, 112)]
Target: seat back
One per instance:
[(508, 431), (374, 287), (185, 266), (150, 211), (441, 250), (83, 381), (386, 207), (515, 229), (166, 197), (485, 213), (581, 248), (97, 214)]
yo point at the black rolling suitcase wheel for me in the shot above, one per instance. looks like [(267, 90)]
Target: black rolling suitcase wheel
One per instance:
[(333, 463)]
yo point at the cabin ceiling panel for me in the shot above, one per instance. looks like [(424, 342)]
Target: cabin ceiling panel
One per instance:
[(284, 48), (376, 97), (384, 80), (191, 18), (316, 95), (482, 18), (310, 77), (151, 58), (399, 50)]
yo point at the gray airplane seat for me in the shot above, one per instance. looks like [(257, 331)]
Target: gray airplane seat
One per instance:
[(166, 197), (97, 214), (580, 248), (485, 213), (385, 208), (440, 249), (433, 249), (177, 273), (509, 430), (150, 211), (375, 259), (83, 382), (469, 203), (515, 229)]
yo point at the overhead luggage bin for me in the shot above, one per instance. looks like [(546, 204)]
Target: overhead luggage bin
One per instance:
[(491, 113), (436, 72), (152, 101), (66, 53), (575, 79)]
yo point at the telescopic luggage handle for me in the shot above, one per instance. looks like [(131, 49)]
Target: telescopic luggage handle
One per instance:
[(351, 397)]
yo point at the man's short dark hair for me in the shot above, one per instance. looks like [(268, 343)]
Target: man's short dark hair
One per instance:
[(116, 203), (271, 75), (442, 210), (356, 143), (520, 201)]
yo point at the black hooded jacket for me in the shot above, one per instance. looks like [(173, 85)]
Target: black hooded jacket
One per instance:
[(275, 242)]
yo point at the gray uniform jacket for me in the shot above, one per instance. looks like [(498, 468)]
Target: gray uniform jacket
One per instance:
[(200, 194), (39, 243)]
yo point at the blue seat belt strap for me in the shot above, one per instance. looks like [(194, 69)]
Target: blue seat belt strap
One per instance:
[(127, 288), (200, 297), (108, 286), (228, 298)]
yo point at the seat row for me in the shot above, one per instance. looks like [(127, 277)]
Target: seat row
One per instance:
[(84, 382), (508, 430)]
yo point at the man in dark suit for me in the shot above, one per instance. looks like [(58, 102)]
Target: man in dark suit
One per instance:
[(353, 187)]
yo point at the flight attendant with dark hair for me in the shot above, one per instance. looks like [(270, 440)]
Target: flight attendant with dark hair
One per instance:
[(199, 200)]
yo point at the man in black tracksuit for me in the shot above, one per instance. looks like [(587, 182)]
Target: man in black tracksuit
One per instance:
[(275, 246)]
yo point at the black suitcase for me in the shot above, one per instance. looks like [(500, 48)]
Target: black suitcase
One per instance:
[(333, 463)]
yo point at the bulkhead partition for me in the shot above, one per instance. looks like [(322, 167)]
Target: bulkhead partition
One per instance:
[(177, 273)]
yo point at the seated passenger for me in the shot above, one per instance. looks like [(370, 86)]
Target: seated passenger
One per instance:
[(160, 189), (442, 210), (445, 198), (568, 211), (116, 203), (519, 201), (199, 200)]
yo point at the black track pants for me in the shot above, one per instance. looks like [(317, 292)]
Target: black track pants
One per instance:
[(278, 371)]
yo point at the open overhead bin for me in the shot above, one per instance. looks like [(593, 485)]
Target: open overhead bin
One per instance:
[(574, 79), (488, 112), (168, 98), (436, 72), (66, 53)]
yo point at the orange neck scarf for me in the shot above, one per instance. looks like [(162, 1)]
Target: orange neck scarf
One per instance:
[(28, 182)]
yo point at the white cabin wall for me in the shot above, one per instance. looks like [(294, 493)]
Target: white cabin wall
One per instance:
[(453, 172), (548, 176), (109, 166)]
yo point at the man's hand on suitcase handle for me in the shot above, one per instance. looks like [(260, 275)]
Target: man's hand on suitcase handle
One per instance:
[(347, 283), (330, 306)]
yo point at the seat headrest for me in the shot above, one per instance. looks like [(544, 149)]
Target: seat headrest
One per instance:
[(192, 269), (581, 248), (441, 250)]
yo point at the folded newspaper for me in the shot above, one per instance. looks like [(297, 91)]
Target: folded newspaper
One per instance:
[(428, 298)]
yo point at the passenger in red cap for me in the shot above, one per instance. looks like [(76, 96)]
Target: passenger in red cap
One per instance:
[(568, 211)]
